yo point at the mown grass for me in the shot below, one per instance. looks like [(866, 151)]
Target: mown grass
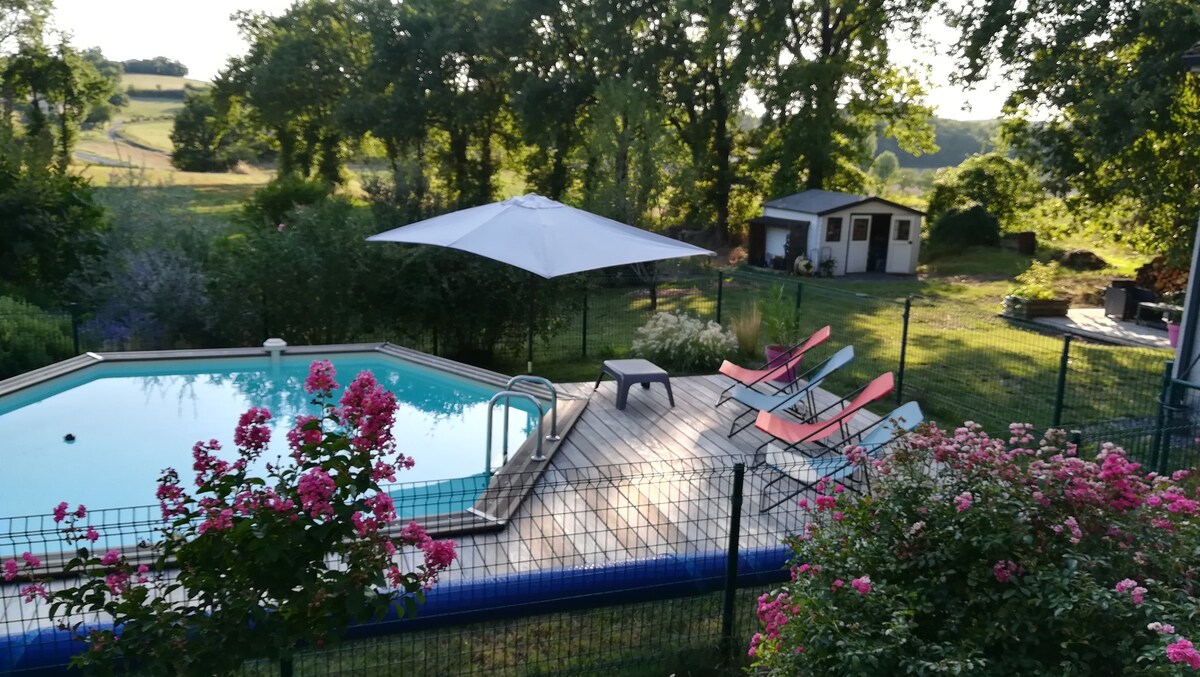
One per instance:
[(154, 134), (163, 82), (961, 362), (101, 176), (151, 108), (653, 639)]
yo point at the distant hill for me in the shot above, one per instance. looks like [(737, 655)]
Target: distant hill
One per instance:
[(144, 85), (956, 139)]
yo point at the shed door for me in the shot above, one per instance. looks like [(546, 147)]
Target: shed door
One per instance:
[(900, 247), (756, 245), (776, 242), (797, 242), (856, 250)]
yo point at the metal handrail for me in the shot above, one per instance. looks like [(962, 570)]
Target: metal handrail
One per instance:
[(538, 380), (507, 396)]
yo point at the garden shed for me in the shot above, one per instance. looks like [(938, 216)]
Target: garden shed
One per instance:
[(849, 233)]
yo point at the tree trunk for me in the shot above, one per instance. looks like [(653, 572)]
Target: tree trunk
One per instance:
[(558, 168), (722, 149)]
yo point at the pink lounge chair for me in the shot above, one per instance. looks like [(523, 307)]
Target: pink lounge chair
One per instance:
[(794, 434), (782, 367)]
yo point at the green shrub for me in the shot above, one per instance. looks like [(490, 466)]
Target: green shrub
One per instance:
[(677, 341), (31, 337), (271, 204), (986, 556), (1035, 284), (956, 229)]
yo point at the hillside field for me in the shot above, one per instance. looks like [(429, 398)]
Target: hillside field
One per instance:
[(163, 82)]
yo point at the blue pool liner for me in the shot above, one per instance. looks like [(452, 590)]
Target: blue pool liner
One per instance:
[(47, 651)]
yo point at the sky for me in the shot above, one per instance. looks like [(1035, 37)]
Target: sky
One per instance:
[(200, 34)]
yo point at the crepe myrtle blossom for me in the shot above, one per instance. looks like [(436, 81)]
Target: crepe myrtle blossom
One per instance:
[(1008, 510), (321, 504)]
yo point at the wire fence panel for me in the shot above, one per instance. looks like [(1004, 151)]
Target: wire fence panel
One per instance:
[(599, 569), (959, 361)]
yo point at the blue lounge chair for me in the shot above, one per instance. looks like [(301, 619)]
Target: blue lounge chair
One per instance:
[(801, 395), (807, 471)]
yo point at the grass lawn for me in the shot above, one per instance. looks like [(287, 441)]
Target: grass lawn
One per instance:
[(163, 82), (151, 108), (154, 134), (101, 176), (962, 361), (673, 637)]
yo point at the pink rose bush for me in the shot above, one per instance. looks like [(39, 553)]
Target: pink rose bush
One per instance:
[(986, 555), (268, 563)]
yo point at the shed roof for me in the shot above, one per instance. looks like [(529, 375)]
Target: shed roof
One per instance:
[(815, 201), (821, 202)]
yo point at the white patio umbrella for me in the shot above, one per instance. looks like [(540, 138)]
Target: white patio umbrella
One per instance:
[(544, 237)]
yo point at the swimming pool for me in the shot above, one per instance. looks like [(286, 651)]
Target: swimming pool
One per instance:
[(130, 419)]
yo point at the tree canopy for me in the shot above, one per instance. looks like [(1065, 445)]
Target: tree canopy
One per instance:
[(1103, 105), (627, 107)]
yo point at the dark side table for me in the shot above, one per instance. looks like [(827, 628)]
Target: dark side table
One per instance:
[(629, 372)]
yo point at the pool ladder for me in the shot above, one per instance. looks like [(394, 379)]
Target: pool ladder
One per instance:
[(507, 395)]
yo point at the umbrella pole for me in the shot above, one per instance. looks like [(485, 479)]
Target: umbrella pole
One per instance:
[(529, 355), (532, 300)]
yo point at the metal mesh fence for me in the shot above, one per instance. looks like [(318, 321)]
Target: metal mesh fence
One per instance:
[(603, 568), (959, 361)]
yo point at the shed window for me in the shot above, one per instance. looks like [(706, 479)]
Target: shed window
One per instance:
[(833, 229), (858, 229), (903, 229)]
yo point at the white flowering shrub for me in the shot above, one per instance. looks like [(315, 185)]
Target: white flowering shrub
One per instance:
[(684, 343)]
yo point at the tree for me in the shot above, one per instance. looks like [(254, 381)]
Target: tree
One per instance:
[(1102, 105), (102, 112), (625, 142), (822, 69), (554, 84), (49, 223), (212, 134), (705, 80), (59, 88), (884, 166), (1001, 185), (300, 68), (21, 21), (159, 65)]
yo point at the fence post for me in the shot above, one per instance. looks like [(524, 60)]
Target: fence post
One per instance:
[(1166, 398), (1061, 390), (583, 350), (731, 559), (435, 339), (75, 326), (285, 666), (720, 293), (903, 351), (798, 295)]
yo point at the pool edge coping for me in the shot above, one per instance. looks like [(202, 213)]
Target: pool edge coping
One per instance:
[(491, 511)]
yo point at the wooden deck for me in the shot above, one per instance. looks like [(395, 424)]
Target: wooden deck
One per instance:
[(648, 481)]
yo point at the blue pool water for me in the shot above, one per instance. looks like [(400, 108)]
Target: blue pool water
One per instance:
[(131, 420)]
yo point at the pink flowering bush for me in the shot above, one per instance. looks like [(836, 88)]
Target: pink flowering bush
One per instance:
[(991, 556), (262, 564)]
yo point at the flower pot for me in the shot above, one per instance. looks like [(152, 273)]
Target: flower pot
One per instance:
[(775, 356), (1173, 334)]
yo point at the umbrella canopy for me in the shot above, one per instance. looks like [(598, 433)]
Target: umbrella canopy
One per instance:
[(545, 237)]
